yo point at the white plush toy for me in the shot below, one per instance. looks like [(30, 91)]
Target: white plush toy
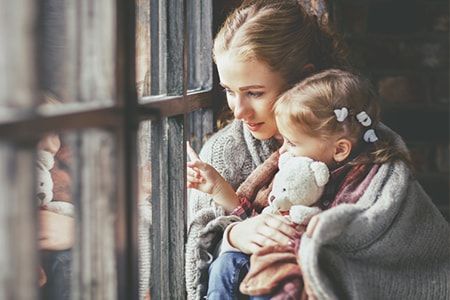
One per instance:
[(44, 190), (45, 162), (298, 184)]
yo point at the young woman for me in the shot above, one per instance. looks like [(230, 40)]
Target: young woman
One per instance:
[(263, 49)]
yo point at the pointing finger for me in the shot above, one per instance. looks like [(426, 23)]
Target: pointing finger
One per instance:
[(191, 152)]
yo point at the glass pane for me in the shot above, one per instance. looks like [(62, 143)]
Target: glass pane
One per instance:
[(76, 193), (18, 257), (144, 207), (77, 52), (143, 48), (201, 127), (17, 76), (200, 44), (151, 47)]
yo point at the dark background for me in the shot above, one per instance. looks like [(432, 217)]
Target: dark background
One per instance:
[(403, 47)]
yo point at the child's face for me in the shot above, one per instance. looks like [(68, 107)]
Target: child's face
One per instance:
[(251, 89), (298, 143)]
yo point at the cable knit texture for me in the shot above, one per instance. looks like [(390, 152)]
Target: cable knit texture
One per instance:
[(235, 153), (392, 244)]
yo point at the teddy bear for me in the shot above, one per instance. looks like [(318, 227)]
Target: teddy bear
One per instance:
[(298, 184), (44, 185)]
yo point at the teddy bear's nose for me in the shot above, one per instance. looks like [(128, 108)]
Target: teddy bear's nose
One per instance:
[(40, 196), (272, 198)]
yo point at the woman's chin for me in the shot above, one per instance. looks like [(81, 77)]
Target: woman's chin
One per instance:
[(261, 135)]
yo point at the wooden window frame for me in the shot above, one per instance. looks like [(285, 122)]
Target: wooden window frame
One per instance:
[(168, 116)]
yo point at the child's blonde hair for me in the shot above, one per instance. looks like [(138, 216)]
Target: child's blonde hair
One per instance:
[(310, 107)]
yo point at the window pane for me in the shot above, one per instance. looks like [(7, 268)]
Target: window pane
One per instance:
[(200, 44), (17, 76), (151, 47), (77, 51), (143, 48), (18, 257), (76, 190), (144, 207), (200, 127)]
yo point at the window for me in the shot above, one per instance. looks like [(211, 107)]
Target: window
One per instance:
[(117, 82)]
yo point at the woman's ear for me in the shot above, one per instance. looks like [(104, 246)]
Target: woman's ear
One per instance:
[(342, 150)]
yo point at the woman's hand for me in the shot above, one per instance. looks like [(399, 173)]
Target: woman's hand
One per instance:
[(264, 230), (56, 232)]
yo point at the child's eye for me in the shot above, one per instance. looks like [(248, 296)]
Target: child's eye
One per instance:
[(290, 143), (255, 94)]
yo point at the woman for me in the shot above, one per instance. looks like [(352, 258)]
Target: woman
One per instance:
[(263, 49)]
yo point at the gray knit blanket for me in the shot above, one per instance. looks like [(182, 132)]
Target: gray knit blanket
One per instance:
[(392, 244)]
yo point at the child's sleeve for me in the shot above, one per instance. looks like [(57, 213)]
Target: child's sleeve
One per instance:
[(225, 245), (245, 209)]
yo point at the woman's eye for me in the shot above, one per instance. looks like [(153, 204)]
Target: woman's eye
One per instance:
[(228, 92), (255, 94)]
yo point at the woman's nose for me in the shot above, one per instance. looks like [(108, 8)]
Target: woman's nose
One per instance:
[(242, 109)]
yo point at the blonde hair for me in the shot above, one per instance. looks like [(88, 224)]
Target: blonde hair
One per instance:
[(281, 34), (310, 106)]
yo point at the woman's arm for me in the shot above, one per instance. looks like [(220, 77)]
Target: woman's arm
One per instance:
[(56, 231)]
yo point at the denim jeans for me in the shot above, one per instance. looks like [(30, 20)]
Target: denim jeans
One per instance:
[(226, 274), (58, 268)]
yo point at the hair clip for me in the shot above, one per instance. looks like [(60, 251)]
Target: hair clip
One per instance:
[(341, 114), (370, 136), (364, 119)]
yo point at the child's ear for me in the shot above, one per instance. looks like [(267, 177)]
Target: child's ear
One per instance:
[(342, 150)]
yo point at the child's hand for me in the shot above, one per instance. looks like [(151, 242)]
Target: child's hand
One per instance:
[(203, 177), (200, 175)]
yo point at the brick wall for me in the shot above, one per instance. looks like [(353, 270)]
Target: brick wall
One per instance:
[(403, 46)]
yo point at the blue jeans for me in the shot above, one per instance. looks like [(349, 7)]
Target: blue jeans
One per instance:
[(58, 268), (226, 274)]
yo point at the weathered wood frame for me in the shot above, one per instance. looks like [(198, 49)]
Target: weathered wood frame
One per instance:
[(122, 117)]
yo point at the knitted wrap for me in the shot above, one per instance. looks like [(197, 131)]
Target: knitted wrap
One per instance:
[(392, 244), (235, 153)]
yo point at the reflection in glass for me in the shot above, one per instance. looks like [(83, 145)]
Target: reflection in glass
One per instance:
[(144, 206), (76, 43), (17, 76), (18, 257), (200, 44), (76, 193)]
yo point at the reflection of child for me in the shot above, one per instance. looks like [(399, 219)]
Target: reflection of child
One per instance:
[(332, 117)]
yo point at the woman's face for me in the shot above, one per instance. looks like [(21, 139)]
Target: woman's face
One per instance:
[(251, 89)]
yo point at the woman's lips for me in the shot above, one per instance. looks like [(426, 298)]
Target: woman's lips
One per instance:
[(254, 126)]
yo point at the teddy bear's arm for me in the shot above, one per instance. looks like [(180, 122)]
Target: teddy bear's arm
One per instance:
[(301, 214)]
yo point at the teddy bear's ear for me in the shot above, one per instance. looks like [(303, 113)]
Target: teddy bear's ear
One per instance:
[(321, 172), (283, 159), (46, 159)]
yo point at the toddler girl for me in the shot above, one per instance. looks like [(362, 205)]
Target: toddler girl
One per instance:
[(331, 117)]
